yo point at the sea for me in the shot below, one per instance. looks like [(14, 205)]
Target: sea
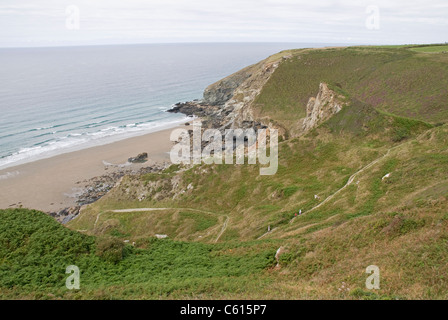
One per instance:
[(55, 100)]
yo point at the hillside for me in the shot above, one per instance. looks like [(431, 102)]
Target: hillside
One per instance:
[(395, 80), (36, 250), (369, 178)]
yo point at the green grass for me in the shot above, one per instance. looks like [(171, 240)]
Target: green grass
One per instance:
[(431, 49), (202, 222), (319, 164), (396, 106), (35, 250), (395, 80)]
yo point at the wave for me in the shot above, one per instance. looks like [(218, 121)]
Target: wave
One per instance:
[(80, 140), (42, 128)]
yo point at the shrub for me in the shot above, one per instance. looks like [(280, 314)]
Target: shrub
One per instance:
[(109, 249)]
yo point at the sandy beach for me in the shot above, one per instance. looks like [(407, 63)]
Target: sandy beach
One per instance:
[(49, 184)]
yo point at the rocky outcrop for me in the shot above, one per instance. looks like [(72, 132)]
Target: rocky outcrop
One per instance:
[(212, 116), (142, 157), (227, 103), (222, 91), (324, 106), (242, 100), (97, 187), (65, 215), (153, 187)]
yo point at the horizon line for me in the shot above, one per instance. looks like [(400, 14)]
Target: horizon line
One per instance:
[(197, 42)]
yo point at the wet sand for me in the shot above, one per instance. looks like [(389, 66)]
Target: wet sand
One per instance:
[(49, 184)]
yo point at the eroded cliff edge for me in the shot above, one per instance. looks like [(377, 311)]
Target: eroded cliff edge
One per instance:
[(230, 102), (227, 103)]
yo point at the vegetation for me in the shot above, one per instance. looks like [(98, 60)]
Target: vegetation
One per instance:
[(396, 80), (431, 49), (370, 182), (36, 251)]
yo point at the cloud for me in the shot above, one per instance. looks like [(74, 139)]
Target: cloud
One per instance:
[(42, 22)]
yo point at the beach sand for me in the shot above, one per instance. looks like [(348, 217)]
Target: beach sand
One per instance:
[(49, 184)]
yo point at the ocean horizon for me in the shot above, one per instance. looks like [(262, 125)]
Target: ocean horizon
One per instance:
[(56, 100)]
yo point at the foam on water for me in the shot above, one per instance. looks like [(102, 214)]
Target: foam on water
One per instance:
[(78, 141)]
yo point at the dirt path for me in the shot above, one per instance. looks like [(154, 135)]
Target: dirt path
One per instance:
[(349, 182), (96, 220), (223, 229), (225, 224), (301, 228), (351, 179), (265, 234)]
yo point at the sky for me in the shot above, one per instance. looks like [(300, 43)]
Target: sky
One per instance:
[(26, 23)]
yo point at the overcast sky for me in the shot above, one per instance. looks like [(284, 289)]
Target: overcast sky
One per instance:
[(54, 22)]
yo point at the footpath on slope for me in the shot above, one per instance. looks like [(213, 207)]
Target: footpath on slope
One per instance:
[(223, 229), (349, 182)]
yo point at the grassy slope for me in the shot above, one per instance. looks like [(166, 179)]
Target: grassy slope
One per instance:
[(399, 223), (318, 164), (35, 250), (396, 80), (360, 225), (431, 49)]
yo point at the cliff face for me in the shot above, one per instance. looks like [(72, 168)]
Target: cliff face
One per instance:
[(235, 94), (229, 103), (233, 97), (324, 106), (240, 103), (222, 91)]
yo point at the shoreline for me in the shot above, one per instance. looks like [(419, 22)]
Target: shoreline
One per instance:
[(53, 184), (93, 143)]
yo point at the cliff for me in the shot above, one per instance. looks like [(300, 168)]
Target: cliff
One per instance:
[(228, 103), (368, 176), (323, 107), (220, 92)]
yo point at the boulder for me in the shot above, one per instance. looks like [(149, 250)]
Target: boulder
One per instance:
[(142, 157)]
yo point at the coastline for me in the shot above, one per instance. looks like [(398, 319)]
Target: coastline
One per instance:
[(91, 143), (53, 184)]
